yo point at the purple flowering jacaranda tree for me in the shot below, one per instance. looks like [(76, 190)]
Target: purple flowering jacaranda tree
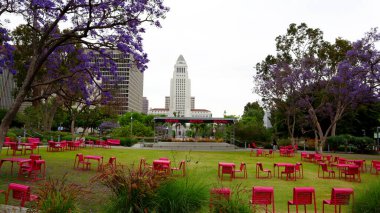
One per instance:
[(321, 86), (95, 26)]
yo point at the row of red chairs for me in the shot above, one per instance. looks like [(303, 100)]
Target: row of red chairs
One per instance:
[(144, 166), (30, 145), (302, 196), (261, 153)]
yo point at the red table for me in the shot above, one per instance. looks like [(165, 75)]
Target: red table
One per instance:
[(278, 165), (342, 166), (360, 163), (95, 157), (161, 165), (226, 165), (12, 160)]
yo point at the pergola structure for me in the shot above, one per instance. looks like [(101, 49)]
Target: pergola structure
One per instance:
[(160, 131)]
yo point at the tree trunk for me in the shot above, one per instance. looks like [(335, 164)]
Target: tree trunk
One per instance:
[(24, 89), (333, 130), (72, 127), (49, 116)]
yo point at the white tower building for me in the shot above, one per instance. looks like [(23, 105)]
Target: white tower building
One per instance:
[(180, 88)]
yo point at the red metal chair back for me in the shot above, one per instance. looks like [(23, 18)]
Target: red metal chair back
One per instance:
[(352, 170), (14, 146), (242, 166), (328, 157), (260, 165), (324, 167), (303, 195), (227, 170), (80, 157), (342, 161), (19, 192), (290, 169), (112, 160), (35, 157), (7, 139), (375, 163), (262, 195), (341, 196), (163, 159)]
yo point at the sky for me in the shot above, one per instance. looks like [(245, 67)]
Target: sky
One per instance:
[(222, 41)]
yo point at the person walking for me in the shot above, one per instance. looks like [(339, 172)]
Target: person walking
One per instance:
[(274, 143)]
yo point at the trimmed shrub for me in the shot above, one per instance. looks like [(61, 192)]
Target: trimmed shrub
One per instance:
[(367, 199), (128, 141), (348, 142), (181, 195)]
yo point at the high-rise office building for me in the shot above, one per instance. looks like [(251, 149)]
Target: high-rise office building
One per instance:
[(180, 87), (127, 89), (167, 102), (145, 105), (7, 85)]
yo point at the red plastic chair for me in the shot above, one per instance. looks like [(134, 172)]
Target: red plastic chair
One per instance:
[(269, 154), (163, 159), (143, 165), (79, 159), (6, 143), (259, 168), (15, 148), (352, 172), (218, 194), (20, 192), (263, 196), (110, 164), (375, 165), (342, 161), (31, 148), (181, 167), (318, 158), (339, 197), (325, 169), (290, 170), (303, 196), (299, 169), (242, 169), (259, 152), (228, 170), (35, 170), (303, 156)]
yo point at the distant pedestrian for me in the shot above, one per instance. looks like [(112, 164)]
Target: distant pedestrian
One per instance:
[(274, 143)]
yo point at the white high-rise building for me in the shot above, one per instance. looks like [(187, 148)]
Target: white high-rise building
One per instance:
[(180, 87), (180, 103)]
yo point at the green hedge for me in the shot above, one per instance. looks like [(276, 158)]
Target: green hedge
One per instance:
[(127, 141), (348, 142)]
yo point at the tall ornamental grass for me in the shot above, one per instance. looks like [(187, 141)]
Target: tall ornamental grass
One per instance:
[(237, 202), (132, 190), (367, 200), (183, 194), (59, 196)]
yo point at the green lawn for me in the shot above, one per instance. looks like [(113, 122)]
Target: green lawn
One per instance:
[(202, 165)]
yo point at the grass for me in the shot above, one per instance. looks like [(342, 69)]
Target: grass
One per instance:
[(200, 164)]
